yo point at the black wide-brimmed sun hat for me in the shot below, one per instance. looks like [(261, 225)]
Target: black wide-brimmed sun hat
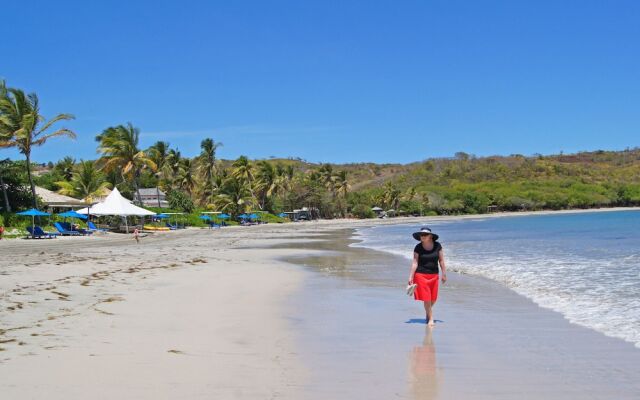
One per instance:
[(422, 231)]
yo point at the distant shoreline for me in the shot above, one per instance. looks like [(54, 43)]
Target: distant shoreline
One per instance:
[(403, 220)]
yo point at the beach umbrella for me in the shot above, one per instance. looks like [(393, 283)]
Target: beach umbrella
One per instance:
[(33, 213), (282, 215), (72, 214), (223, 216), (205, 217), (254, 216)]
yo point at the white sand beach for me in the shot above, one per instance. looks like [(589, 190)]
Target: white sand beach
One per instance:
[(200, 314)]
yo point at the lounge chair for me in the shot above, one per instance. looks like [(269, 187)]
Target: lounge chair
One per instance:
[(94, 228), (67, 226), (173, 228), (37, 233), (65, 232), (49, 235)]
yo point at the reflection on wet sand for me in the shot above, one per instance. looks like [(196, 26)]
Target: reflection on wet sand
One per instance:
[(423, 371), (335, 257)]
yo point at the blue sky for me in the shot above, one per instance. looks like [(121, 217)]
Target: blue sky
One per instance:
[(333, 81)]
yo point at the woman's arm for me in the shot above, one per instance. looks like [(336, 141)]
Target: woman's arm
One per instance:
[(442, 266), (414, 266)]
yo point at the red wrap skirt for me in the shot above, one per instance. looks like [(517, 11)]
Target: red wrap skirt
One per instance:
[(427, 289)]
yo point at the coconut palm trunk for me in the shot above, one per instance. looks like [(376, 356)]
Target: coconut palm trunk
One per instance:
[(33, 186), (7, 206), (5, 196), (137, 186)]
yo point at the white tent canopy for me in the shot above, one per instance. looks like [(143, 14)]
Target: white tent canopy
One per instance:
[(115, 204)]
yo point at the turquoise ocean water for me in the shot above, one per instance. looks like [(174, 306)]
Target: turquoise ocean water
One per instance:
[(585, 265)]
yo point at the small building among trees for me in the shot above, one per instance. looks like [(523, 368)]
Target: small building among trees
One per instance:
[(153, 197)]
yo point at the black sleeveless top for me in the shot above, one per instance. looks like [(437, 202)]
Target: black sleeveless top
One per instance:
[(428, 259)]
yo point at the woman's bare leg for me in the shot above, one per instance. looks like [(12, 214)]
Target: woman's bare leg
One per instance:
[(429, 312), (428, 307)]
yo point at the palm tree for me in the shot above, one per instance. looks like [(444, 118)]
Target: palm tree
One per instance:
[(328, 178), (243, 172), (410, 193), (87, 180), (172, 166), (391, 196), (342, 184), (342, 187), (186, 175), (119, 148), (158, 154), (22, 126), (207, 167), (235, 196), (65, 167), (267, 182)]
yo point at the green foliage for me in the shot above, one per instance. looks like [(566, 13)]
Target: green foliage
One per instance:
[(23, 127), (178, 200), (86, 181), (362, 211), (15, 181), (49, 180)]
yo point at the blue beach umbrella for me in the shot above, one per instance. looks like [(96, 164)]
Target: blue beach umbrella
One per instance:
[(205, 217), (72, 214), (254, 216), (161, 216), (223, 216), (282, 215), (33, 213)]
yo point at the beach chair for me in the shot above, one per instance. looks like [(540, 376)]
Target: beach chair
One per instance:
[(37, 233), (67, 226), (84, 231), (94, 228), (173, 228), (65, 232), (40, 232)]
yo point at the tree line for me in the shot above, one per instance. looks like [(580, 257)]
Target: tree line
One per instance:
[(203, 181), (457, 185)]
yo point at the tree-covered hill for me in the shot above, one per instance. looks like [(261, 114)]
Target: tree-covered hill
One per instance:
[(461, 184)]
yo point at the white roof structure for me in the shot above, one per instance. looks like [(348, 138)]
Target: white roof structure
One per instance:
[(54, 199), (115, 204)]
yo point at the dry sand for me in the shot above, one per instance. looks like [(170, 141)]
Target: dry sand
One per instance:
[(182, 315), (220, 314)]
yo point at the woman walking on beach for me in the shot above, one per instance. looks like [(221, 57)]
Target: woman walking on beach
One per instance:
[(427, 255)]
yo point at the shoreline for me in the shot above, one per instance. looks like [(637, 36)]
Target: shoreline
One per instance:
[(338, 221)]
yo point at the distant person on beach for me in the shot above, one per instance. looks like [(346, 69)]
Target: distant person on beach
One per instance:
[(427, 255)]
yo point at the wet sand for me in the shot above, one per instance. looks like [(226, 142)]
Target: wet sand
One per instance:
[(365, 337)]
